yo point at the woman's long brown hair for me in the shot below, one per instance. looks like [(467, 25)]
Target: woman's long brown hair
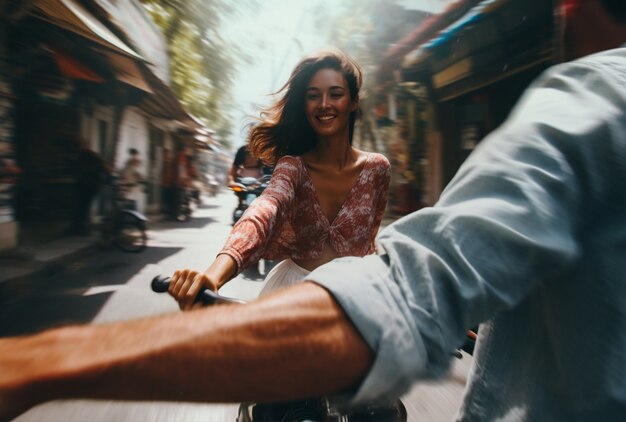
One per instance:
[(283, 128)]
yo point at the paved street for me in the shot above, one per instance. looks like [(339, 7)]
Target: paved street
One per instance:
[(110, 285)]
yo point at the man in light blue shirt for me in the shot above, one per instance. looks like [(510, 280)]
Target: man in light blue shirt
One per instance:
[(529, 239), (530, 236)]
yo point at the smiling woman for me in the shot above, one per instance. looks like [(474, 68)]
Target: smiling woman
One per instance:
[(313, 80), (326, 198)]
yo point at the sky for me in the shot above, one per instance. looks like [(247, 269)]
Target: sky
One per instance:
[(278, 37), (433, 6)]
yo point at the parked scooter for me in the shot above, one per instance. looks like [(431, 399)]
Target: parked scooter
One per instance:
[(247, 190), (123, 225), (184, 210), (314, 409), (187, 203)]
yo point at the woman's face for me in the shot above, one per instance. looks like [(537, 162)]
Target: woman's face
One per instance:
[(328, 104)]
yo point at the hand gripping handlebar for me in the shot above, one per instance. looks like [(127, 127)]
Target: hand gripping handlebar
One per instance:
[(161, 283)]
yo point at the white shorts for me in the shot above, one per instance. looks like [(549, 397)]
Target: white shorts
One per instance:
[(285, 273)]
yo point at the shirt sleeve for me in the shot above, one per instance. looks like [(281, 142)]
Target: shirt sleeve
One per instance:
[(251, 235), (511, 218), (381, 204)]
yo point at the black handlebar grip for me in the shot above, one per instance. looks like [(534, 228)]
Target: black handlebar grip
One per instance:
[(161, 283)]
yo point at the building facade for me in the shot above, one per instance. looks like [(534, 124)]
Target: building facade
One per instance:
[(456, 78), (91, 73)]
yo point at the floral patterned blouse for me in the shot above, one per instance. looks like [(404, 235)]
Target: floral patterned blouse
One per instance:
[(287, 220)]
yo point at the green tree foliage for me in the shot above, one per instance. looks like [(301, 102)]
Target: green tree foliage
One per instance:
[(202, 64)]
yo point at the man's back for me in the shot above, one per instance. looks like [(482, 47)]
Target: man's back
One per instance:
[(565, 345), (559, 354)]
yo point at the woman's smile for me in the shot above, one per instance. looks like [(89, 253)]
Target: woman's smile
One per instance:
[(326, 117)]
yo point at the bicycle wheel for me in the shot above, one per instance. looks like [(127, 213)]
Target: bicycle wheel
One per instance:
[(131, 237)]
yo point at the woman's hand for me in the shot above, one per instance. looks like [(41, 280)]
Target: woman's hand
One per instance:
[(185, 286)]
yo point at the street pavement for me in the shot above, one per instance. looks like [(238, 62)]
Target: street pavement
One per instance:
[(108, 285)]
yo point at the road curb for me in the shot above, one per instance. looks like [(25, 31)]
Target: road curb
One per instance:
[(40, 270)]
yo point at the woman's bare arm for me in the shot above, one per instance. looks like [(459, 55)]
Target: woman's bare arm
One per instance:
[(292, 344)]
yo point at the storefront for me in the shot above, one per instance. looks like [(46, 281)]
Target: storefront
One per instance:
[(9, 171), (475, 71), (66, 92), (404, 105), (75, 82), (507, 44)]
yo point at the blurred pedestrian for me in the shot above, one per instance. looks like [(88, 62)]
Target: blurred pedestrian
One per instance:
[(185, 175), (168, 185), (131, 179), (90, 172), (194, 177)]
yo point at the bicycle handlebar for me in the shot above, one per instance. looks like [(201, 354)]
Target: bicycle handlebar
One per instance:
[(161, 283)]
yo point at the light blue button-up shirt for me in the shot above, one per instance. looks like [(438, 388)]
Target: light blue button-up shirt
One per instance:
[(529, 238)]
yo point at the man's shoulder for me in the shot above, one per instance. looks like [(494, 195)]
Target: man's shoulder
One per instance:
[(608, 62)]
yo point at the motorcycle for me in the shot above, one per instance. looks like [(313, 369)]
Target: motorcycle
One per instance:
[(123, 225), (247, 190), (314, 409)]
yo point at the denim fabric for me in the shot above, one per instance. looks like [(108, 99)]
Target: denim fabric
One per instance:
[(528, 239)]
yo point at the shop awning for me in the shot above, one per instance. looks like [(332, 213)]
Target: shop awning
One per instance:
[(492, 41), (73, 68), (127, 65), (164, 103), (71, 16), (474, 17), (422, 33), (127, 70)]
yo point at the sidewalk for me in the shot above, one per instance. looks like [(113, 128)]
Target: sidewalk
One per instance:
[(21, 264)]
